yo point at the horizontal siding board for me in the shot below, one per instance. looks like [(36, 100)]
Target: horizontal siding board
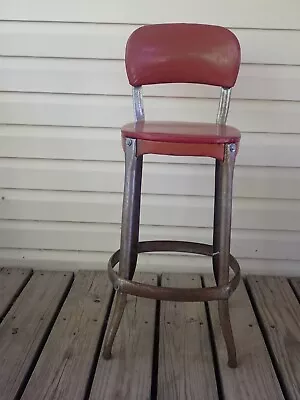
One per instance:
[(107, 41), (72, 260), (105, 237), (181, 179), (265, 82), (114, 111), (103, 144), (50, 142), (188, 211), (233, 13)]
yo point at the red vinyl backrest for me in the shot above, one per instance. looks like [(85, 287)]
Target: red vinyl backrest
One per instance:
[(182, 53)]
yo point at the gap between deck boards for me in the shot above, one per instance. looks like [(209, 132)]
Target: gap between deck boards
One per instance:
[(52, 326)]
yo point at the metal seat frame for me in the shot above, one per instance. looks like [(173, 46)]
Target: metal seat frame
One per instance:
[(130, 246)]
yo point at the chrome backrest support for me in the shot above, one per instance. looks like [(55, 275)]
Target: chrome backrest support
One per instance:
[(222, 114), (138, 104), (224, 104)]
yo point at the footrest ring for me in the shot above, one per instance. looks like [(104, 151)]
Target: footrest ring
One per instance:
[(168, 293)]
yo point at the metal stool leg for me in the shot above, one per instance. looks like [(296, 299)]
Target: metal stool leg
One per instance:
[(221, 241), (216, 233), (114, 323), (129, 237)]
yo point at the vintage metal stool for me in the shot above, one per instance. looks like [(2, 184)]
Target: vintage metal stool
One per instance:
[(179, 53)]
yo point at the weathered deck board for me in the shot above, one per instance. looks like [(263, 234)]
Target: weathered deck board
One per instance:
[(23, 330), (279, 312), (66, 361), (185, 369), (12, 282), (128, 374), (255, 378), (295, 282), (42, 358)]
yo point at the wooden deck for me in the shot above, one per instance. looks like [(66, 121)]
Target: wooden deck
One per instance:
[(53, 323)]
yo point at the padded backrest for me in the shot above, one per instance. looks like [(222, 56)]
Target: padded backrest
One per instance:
[(182, 53)]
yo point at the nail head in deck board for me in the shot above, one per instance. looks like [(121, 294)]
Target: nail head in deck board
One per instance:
[(295, 282), (128, 374), (279, 312), (12, 281), (254, 378), (21, 337), (65, 364), (185, 369)]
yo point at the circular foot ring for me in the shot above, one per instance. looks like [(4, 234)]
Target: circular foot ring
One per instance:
[(168, 293)]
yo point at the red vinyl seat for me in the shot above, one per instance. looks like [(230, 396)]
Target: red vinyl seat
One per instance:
[(181, 132), (181, 138)]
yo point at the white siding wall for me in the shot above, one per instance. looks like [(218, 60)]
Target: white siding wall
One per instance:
[(64, 95)]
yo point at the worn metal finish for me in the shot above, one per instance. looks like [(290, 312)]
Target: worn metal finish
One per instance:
[(114, 323), (129, 235), (174, 294), (223, 206), (131, 209), (130, 247), (219, 251), (224, 104), (217, 212), (226, 327), (221, 240), (138, 104)]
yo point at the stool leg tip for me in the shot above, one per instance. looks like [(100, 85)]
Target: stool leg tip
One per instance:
[(106, 354), (232, 363)]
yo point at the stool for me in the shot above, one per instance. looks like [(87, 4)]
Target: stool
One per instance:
[(178, 53)]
